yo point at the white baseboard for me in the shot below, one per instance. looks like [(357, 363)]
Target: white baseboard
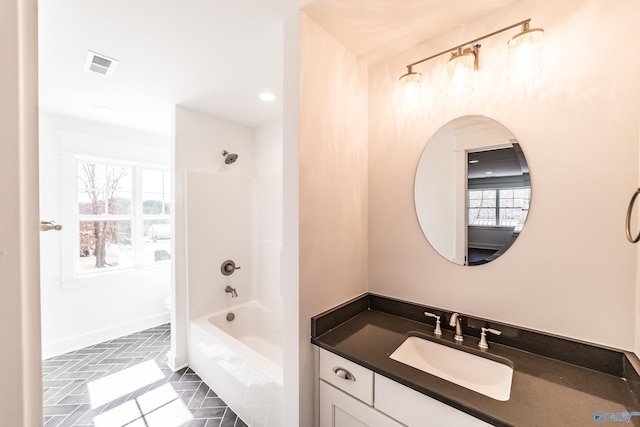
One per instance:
[(81, 341), (175, 363)]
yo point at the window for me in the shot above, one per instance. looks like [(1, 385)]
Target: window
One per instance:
[(504, 207), (156, 211), (123, 215)]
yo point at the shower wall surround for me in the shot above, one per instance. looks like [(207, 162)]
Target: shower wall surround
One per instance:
[(198, 143), (571, 272), (219, 211)]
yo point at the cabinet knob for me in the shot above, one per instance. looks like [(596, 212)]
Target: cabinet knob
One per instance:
[(343, 373)]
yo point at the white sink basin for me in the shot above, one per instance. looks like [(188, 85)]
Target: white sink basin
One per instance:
[(477, 373)]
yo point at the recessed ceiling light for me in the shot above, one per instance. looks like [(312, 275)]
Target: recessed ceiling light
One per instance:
[(267, 97), (488, 173)]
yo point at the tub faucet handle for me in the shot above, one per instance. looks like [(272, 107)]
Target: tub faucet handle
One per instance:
[(228, 267), (437, 331)]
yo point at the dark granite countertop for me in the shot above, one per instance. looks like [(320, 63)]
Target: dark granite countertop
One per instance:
[(545, 391)]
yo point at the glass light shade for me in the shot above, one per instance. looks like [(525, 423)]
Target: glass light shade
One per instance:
[(526, 37), (460, 73), (525, 55), (411, 78), (412, 89)]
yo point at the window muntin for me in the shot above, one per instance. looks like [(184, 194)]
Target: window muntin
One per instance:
[(502, 207), (156, 192)]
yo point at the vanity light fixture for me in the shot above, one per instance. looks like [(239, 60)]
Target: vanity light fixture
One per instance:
[(410, 76), (460, 68), (527, 36), (464, 57), (525, 54), (411, 85)]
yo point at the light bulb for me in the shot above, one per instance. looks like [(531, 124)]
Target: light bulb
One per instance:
[(460, 72), (411, 90), (525, 55)]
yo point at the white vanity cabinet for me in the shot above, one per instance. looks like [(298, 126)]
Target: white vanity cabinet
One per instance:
[(346, 395), (338, 409), (353, 396)]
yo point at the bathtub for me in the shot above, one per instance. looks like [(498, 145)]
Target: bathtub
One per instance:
[(241, 360)]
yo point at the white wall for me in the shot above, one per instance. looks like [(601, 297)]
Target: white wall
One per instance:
[(571, 272), (292, 325), (19, 271), (330, 149), (268, 214), (198, 143), (82, 310), (219, 227)]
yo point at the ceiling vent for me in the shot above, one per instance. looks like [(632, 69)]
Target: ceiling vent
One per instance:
[(100, 64)]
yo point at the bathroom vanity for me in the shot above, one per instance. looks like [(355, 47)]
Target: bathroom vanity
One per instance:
[(555, 381)]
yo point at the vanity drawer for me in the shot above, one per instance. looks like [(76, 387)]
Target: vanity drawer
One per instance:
[(347, 376), (417, 410)]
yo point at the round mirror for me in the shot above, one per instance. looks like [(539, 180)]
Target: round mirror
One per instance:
[(472, 190)]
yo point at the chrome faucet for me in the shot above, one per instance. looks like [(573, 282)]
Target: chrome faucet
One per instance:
[(231, 291), (483, 337), (437, 331), (456, 321)]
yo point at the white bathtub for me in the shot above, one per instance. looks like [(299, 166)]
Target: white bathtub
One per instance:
[(241, 360)]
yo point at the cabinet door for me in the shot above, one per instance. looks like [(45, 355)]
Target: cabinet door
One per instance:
[(338, 409)]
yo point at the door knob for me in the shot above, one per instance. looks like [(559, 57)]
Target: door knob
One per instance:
[(49, 225)]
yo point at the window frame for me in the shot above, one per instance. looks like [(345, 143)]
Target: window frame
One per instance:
[(497, 208), (136, 216)]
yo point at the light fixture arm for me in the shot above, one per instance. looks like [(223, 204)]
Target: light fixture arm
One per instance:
[(410, 66)]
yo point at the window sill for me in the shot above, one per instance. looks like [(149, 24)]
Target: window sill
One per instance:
[(109, 277), (494, 227)]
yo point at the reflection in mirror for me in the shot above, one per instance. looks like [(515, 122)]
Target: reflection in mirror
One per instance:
[(472, 190)]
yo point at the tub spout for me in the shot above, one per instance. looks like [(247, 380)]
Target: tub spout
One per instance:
[(231, 291)]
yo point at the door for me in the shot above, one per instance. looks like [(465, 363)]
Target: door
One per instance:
[(19, 253)]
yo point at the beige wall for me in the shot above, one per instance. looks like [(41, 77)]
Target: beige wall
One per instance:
[(332, 154), (19, 258), (571, 272)]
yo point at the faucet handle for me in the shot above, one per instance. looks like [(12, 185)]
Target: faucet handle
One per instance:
[(483, 337), (437, 331)]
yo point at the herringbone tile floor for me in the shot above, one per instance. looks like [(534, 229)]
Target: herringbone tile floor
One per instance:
[(126, 381)]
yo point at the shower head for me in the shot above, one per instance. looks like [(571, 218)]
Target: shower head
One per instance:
[(229, 158)]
